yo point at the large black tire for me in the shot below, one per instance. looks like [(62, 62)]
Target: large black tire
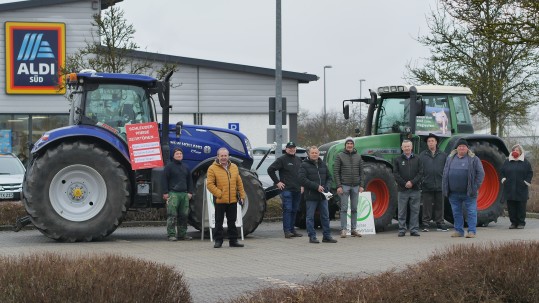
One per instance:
[(490, 197), (76, 192), (380, 182), (253, 209)]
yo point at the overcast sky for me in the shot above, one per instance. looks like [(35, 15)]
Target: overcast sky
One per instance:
[(361, 39)]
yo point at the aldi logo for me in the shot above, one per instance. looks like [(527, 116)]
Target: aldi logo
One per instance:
[(35, 53)]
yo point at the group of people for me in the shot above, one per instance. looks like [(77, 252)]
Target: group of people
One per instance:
[(427, 178)]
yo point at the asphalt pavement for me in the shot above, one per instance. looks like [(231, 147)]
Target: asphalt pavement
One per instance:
[(268, 259)]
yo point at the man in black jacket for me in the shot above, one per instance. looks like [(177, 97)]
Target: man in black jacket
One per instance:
[(433, 160), (288, 182), (315, 178), (349, 177), (179, 190), (408, 173)]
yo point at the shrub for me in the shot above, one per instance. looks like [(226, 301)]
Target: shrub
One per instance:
[(475, 273), (10, 211), (106, 278), (274, 208)]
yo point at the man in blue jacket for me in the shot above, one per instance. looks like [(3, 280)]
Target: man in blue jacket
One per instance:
[(463, 175)]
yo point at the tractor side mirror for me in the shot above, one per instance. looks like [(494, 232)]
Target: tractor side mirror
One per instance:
[(179, 126), (374, 97), (346, 111), (420, 106)]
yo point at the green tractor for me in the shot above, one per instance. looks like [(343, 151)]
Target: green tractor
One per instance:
[(412, 112)]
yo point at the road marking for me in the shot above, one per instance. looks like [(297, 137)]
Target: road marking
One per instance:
[(281, 283)]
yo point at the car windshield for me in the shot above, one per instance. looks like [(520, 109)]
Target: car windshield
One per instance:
[(10, 166)]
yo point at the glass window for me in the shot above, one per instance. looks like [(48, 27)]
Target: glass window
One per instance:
[(393, 115), (461, 109)]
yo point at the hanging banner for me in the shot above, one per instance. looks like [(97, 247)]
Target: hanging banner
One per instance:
[(144, 145), (35, 55)]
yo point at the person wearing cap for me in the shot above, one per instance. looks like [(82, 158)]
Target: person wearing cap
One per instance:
[(433, 160), (288, 182), (349, 177), (516, 176), (463, 175), (408, 172), (178, 191)]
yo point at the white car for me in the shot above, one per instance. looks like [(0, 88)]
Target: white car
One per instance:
[(11, 177)]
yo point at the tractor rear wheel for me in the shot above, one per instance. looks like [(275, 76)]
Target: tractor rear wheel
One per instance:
[(76, 192), (489, 198), (380, 182), (253, 208)]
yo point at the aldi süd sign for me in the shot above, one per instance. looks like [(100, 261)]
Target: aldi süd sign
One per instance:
[(35, 53)]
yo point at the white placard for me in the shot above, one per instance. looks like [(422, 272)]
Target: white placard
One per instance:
[(365, 217), (211, 214)]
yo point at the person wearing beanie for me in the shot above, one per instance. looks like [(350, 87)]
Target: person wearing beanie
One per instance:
[(463, 175), (179, 190), (349, 176), (516, 176), (433, 160)]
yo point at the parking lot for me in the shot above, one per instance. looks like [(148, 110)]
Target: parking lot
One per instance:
[(268, 259)]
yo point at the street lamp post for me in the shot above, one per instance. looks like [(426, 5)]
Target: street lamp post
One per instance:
[(360, 96), (326, 66)]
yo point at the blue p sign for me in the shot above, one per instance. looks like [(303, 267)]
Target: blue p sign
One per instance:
[(234, 126)]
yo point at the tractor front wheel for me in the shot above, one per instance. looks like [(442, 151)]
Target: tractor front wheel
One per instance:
[(380, 182)]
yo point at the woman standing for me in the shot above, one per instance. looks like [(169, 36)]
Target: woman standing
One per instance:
[(516, 179)]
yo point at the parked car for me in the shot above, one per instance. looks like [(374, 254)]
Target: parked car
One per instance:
[(11, 176), (260, 151)]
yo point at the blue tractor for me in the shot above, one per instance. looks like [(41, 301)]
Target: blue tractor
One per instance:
[(80, 182)]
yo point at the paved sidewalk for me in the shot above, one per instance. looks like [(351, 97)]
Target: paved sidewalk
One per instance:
[(268, 259)]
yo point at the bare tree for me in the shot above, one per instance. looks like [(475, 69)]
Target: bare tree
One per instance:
[(502, 77), (311, 127)]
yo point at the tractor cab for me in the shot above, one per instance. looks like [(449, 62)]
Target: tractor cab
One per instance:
[(111, 101)]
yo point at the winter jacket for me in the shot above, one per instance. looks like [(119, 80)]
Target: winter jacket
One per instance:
[(288, 167), (406, 170), (516, 178), (224, 183), (311, 175), (433, 169), (348, 169), (476, 174), (178, 178)]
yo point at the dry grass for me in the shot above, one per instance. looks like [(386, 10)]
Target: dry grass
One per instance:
[(107, 278), (274, 208), (481, 273), (10, 211)]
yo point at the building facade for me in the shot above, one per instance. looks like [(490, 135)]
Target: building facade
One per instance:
[(37, 36)]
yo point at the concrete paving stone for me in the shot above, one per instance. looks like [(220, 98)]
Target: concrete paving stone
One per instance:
[(268, 259)]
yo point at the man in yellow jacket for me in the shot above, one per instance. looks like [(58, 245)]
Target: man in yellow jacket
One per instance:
[(224, 182)]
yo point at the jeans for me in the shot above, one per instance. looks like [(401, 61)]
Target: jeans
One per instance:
[(324, 218), (177, 212), (353, 193), (470, 205), (290, 201), (409, 197)]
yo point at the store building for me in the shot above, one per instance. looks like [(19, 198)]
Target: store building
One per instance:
[(39, 35)]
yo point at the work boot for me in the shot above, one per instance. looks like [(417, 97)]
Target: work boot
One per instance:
[(456, 235), (470, 235), (235, 244), (329, 240), (355, 233), (218, 244), (172, 239), (296, 234), (314, 240), (288, 235), (343, 233), (185, 238)]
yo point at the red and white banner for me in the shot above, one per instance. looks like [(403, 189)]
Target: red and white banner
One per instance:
[(144, 145)]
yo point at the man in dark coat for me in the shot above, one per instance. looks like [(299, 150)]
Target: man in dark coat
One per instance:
[(315, 178), (433, 161)]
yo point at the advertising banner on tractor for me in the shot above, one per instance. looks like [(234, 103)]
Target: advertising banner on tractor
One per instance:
[(144, 145), (436, 121), (35, 54)]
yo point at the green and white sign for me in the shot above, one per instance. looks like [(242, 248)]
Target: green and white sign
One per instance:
[(365, 217)]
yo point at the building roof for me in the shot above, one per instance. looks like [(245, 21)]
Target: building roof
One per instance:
[(38, 3), (301, 77)]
